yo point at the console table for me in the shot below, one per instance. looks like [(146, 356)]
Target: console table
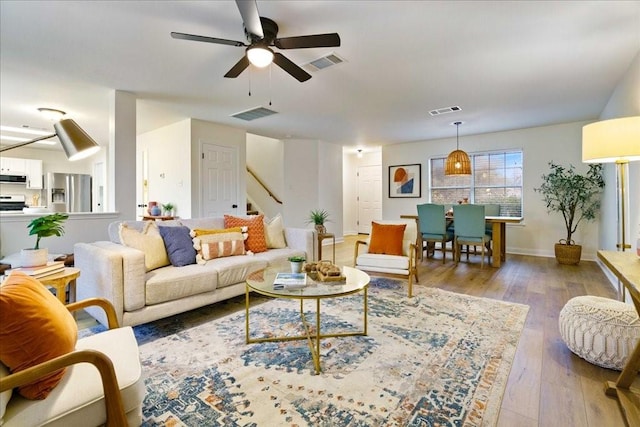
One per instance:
[(626, 267)]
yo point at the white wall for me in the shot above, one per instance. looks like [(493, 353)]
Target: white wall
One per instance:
[(330, 186), (265, 157), (540, 230), (624, 102), (300, 181), (169, 158)]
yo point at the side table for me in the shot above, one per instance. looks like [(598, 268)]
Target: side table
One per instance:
[(60, 280), (321, 237)]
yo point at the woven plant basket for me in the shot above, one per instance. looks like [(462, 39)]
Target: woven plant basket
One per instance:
[(568, 253)]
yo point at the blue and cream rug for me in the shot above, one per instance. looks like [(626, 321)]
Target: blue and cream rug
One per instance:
[(437, 359)]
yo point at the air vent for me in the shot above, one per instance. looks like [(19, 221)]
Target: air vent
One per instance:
[(254, 113), (445, 110), (323, 62)]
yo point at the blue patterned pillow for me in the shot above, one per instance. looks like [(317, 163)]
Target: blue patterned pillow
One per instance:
[(179, 245)]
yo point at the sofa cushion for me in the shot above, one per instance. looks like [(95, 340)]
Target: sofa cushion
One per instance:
[(393, 262), (34, 327), (256, 241), (218, 243), (170, 283), (179, 245), (148, 241), (274, 233), (235, 269), (386, 238)]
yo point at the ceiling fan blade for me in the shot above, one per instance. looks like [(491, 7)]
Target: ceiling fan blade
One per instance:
[(250, 16), (290, 67), (205, 39), (238, 68), (301, 42)]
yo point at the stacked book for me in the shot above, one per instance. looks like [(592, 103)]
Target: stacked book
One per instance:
[(290, 281), (52, 267)]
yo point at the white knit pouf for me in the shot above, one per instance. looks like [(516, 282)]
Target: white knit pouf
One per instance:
[(600, 330)]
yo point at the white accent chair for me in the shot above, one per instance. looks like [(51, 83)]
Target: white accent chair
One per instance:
[(103, 384), (403, 265)]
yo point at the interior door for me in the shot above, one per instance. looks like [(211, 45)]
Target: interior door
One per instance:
[(369, 197), (219, 180)]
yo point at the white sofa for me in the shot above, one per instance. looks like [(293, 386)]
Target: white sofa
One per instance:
[(116, 272)]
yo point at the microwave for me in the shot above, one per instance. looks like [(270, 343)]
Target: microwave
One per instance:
[(13, 179)]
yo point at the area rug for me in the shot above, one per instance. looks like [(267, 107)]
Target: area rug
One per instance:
[(437, 359)]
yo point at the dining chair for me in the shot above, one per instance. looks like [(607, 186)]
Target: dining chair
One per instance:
[(470, 230), (433, 227)]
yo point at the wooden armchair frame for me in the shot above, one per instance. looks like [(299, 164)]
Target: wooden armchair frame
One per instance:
[(413, 262), (113, 400)]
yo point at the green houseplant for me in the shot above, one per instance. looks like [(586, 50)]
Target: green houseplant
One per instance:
[(576, 197), (44, 226), (318, 217), (296, 263), (168, 208)]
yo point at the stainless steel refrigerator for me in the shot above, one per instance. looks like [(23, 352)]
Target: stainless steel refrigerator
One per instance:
[(68, 192)]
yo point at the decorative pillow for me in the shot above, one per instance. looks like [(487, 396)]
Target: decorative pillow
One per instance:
[(256, 242), (386, 238), (34, 327), (148, 241), (179, 245), (274, 233), (211, 244)]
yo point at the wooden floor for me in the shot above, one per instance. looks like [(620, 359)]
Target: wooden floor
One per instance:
[(548, 384)]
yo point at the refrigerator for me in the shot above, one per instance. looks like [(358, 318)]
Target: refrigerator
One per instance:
[(65, 192)]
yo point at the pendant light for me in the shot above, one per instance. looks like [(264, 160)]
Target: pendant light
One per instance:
[(458, 162)]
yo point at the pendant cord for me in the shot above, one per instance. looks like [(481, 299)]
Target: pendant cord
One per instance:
[(249, 81), (270, 91)]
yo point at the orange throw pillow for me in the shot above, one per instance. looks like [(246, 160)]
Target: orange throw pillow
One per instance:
[(256, 242), (34, 327), (386, 238)]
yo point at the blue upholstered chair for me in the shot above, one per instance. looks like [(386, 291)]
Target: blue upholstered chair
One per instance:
[(470, 230), (491, 210), (433, 227)]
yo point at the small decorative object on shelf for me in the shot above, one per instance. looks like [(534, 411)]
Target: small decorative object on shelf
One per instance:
[(150, 207), (44, 226), (155, 210), (168, 209)]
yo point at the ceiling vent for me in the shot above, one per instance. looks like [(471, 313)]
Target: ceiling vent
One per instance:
[(445, 110), (323, 62), (254, 113)]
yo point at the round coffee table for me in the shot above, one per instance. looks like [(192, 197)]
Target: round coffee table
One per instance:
[(262, 282)]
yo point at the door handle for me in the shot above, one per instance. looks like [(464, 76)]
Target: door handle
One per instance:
[(234, 206)]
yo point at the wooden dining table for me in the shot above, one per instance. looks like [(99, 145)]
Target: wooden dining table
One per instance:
[(498, 226)]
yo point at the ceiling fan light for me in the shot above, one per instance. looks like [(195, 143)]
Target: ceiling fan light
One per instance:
[(260, 56)]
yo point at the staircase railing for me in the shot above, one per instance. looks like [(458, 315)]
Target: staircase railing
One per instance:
[(263, 185)]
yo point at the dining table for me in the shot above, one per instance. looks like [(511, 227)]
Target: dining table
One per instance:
[(499, 230)]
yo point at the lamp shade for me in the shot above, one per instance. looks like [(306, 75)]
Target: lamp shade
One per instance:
[(457, 163), (260, 56), (609, 141), (77, 144)]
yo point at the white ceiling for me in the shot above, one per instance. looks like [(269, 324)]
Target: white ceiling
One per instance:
[(507, 64)]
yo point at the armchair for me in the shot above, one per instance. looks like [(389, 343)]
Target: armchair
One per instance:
[(403, 264), (110, 394)]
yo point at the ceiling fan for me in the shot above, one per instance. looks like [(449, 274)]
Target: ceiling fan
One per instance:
[(261, 34)]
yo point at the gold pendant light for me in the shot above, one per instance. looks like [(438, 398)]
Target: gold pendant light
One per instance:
[(458, 162)]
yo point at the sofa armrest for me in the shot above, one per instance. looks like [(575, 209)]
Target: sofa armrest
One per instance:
[(112, 398), (111, 271), (301, 239), (103, 303)]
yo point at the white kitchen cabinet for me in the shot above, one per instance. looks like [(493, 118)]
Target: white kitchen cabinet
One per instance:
[(12, 166), (33, 169)]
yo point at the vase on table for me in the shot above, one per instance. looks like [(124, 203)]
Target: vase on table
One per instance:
[(155, 210), (151, 206)]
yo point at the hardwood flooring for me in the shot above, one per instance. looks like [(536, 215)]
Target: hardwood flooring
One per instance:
[(548, 384)]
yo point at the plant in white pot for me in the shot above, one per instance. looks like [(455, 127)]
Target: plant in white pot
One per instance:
[(44, 226), (296, 263), (576, 197)]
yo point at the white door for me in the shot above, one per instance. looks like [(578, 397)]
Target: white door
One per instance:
[(142, 178), (98, 187), (219, 180), (369, 197)]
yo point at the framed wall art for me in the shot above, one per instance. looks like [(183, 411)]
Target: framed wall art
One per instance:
[(405, 181)]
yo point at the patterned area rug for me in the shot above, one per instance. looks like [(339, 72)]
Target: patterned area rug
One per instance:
[(437, 359)]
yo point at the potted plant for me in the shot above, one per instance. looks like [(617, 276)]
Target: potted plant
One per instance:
[(296, 263), (576, 197), (168, 209), (318, 217), (44, 226)]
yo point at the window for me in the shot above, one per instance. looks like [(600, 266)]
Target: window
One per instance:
[(496, 178)]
